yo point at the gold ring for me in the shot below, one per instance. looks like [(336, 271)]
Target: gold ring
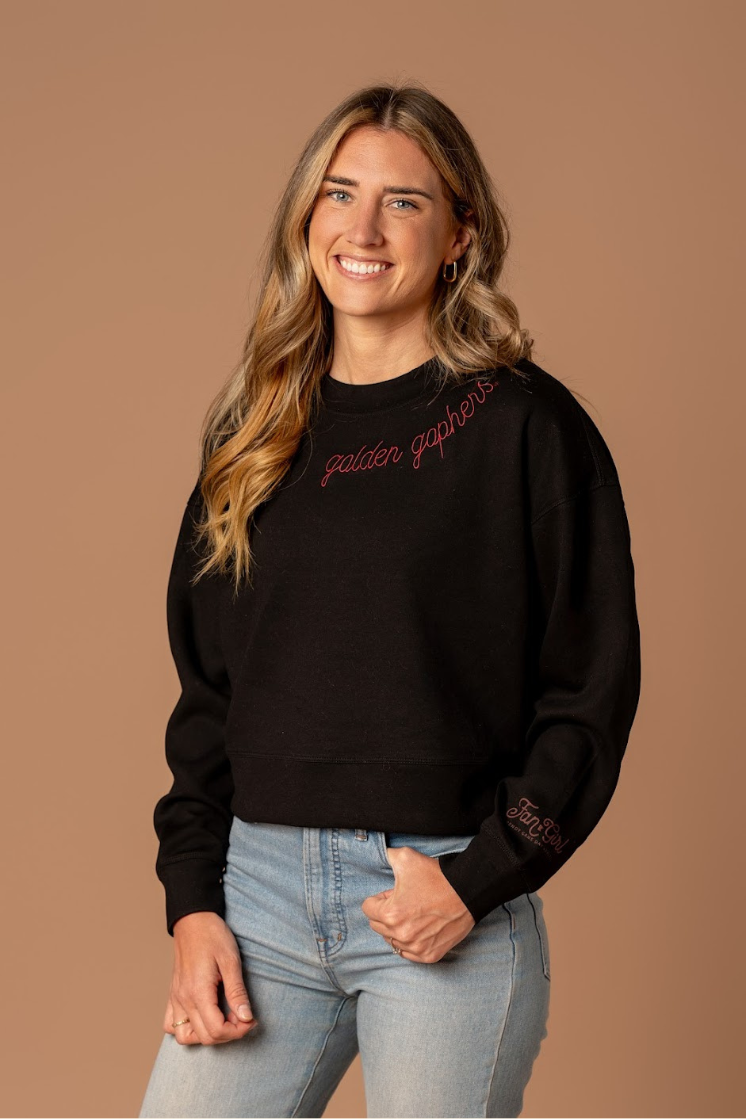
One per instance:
[(181, 1022)]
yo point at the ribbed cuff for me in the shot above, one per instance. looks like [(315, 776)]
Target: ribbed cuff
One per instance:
[(192, 886), (480, 884)]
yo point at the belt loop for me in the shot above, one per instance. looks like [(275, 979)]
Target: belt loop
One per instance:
[(361, 833)]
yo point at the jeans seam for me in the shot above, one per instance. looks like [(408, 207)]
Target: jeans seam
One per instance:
[(544, 955), (322, 1049), (511, 915)]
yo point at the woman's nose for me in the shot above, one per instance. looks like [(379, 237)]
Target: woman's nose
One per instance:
[(365, 227)]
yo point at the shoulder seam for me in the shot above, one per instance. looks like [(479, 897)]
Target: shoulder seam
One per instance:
[(572, 496)]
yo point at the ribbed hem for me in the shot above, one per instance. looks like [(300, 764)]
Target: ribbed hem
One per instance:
[(418, 797)]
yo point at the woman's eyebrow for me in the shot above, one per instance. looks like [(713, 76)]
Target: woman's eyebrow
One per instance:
[(341, 181)]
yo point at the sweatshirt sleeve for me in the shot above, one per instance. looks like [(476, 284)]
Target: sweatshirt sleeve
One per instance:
[(193, 819), (585, 676)]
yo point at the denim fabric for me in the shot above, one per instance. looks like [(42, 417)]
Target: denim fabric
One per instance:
[(454, 1038)]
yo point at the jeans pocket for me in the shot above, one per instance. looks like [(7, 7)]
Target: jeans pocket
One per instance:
[(431, 845)]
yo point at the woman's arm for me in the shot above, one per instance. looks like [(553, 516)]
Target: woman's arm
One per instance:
[(586, 671), (193, 819)]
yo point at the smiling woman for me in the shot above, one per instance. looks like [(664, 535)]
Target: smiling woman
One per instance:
[(369, 232), (402, 611)]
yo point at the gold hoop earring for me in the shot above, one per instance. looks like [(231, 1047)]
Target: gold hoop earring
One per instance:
[(455, 272)]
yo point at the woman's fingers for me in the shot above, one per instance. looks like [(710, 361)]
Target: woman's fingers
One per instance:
[(192, 1032), (183, 1033), (200, 1034), (213, 1023), (207, 1025)]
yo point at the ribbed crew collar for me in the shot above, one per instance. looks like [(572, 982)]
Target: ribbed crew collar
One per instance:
[(340, 396)]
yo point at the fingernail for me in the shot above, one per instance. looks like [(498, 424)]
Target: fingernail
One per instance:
[(245, 1012)]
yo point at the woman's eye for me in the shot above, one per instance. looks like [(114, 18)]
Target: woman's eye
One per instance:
[(331, 193)]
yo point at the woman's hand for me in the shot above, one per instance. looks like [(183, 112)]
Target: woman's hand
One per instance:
[(206, 954), (423, 912)]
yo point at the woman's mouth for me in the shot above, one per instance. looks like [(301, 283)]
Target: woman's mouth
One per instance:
[(362, 270)]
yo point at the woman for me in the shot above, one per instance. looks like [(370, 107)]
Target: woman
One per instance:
[(402, 609)]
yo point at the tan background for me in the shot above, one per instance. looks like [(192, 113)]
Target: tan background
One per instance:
[(146, 144)]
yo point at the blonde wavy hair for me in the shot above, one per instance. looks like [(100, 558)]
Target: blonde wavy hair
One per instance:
[(255, 423)]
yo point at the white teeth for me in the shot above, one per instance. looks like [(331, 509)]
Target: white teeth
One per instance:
[(355, 266)]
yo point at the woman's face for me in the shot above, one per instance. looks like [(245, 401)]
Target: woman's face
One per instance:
[(363, 213)]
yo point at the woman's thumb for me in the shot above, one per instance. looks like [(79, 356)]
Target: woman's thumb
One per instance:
[(236, 993)]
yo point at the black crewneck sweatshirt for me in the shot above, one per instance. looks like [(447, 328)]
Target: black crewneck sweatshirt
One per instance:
[(441, 638)]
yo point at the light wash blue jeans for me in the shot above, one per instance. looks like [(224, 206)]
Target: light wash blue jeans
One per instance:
[(455, 1038)]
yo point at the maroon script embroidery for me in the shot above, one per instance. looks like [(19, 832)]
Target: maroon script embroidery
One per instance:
[(366, 458), (541, 832)]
